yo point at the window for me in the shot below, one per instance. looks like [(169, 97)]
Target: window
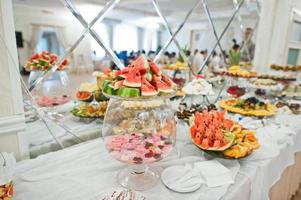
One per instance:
[(296, 31), (125, 38), (103, 33), (292, 56), (49, 42)]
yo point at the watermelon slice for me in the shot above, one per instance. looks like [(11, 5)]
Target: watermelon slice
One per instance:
[(128, 92), (118, 84), (108, 87), (133, 78), (167, 80), (147, 89), (122, 73), (217, 145), (161, 86), (84, 96), (208, 131), (155, 69), (141, 63)]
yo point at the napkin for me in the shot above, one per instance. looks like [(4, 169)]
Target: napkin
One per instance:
[(7, 166), (214, 173)]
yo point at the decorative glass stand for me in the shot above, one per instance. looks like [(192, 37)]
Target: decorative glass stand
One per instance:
[(139, 132)]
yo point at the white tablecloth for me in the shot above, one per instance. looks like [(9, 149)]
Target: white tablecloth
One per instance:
[(41, 141), (86, 170)]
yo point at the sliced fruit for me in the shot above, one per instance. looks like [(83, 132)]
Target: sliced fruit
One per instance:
[(167, 80), (122, 73), (133, 79), (118, 84), (154, 68), (215, 145), (147, 89), (108, 88), (84, 96), (128, 92), (163, 87), (141, 63), (208, 131)]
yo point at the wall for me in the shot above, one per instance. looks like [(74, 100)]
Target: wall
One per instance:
[(274, 30), (25, 16), (208, 40), (12, 125)]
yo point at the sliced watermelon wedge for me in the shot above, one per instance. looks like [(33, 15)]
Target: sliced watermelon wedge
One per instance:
[(217, 145), (118, 84), (147, 89), (167, 80), (84, 96), (154, 68), (128, 92), (141, 63), (133, 78)]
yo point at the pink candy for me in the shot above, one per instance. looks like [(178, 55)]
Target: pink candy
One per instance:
[(138, 147), (49, 101)]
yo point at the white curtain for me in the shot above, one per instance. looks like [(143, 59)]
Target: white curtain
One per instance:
[(35, 37)]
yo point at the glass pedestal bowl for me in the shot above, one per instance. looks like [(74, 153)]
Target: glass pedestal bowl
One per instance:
[(138, 133), (52, 91)]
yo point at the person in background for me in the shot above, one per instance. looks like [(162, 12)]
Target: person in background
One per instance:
[(197, 62), (247, 46), (143, 52), (164, 59), (151, 55), (234, 54), (195, 52), (131, 57), (215, 62), (189, 56), (173, 58)]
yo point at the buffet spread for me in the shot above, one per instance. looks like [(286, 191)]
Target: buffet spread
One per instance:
[(187, 147)]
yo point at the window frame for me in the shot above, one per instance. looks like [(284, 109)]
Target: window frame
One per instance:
[(293, 44)]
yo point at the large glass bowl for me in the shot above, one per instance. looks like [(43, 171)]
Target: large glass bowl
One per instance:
[(52, 91), (139, 132)]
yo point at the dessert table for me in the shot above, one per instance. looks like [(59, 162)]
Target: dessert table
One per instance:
[(85, 171)]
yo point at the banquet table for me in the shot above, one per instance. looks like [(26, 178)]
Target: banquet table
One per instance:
[(85, 171), (41, 141)]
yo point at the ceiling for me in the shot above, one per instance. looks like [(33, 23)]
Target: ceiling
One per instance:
[(174, 10)]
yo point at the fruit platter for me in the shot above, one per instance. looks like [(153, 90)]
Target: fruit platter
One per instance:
[(44, 62), (294, 68), (284, 77), (250, 106), (217, 135), (177, 66), (88, 111), (87, 91), (236, 71), (266, 84), (140, 80)]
